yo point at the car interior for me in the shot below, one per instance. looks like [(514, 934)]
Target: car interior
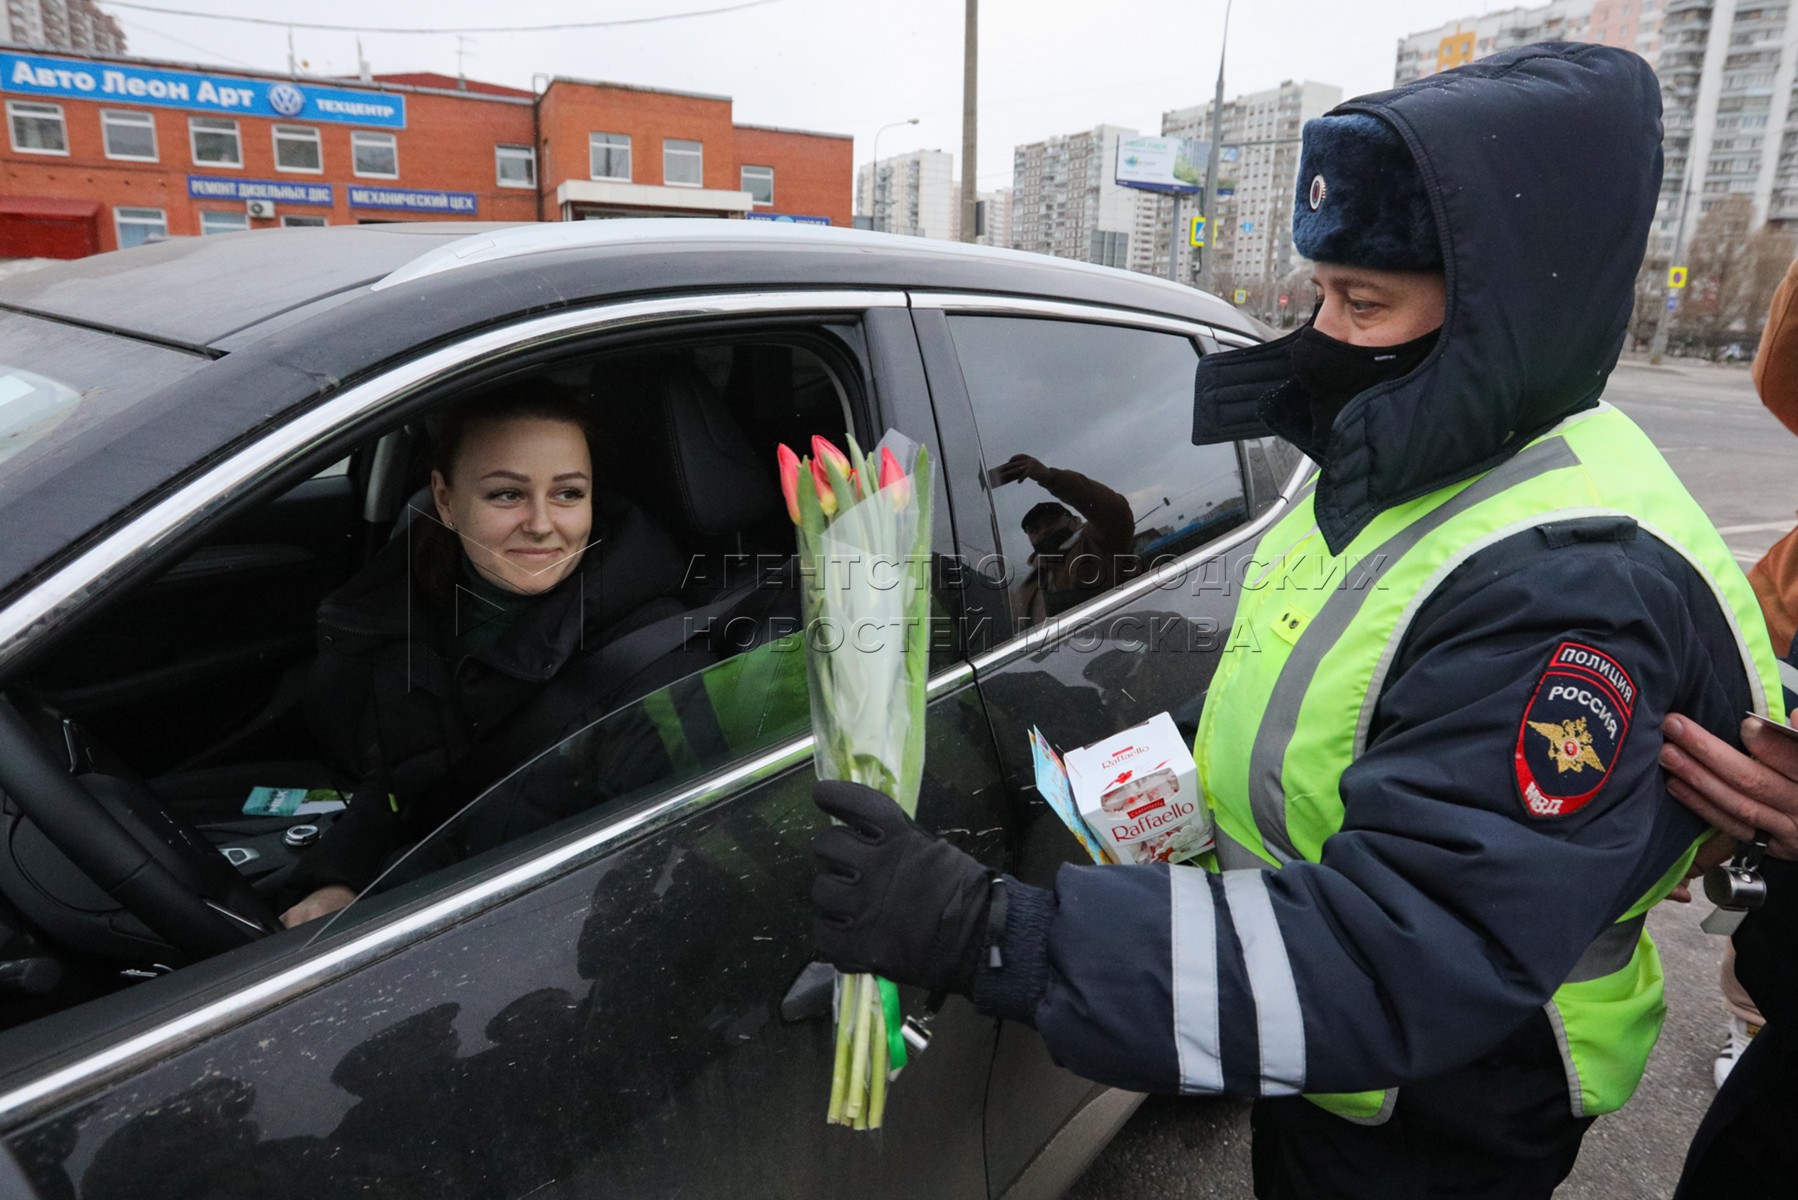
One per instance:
[(142, 731)]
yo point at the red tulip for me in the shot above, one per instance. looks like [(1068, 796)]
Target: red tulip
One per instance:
[(827, 495), (822, 449), (892, 475), (789, 480)]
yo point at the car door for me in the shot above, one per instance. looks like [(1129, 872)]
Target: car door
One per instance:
[(1104, 566), (605, 1005)]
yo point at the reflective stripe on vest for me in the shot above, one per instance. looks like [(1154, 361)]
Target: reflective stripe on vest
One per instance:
[(1316, 635)]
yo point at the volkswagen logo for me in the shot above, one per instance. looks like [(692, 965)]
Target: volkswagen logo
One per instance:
[(286, 99)]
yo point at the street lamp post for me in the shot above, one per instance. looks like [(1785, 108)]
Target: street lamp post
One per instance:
[(1658, 346), (874, 176), (1209, 253)]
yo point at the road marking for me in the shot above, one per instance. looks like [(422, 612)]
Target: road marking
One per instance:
[(1761, 527)]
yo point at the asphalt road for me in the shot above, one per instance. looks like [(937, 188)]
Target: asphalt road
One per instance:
[(1742, 466)]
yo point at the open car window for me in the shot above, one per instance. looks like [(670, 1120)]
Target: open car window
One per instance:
[(728, 675)]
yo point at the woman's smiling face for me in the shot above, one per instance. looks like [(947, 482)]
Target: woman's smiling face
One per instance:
[(520, 498)]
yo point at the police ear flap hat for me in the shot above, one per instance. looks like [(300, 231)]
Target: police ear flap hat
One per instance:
[(1533, 174), (1361, 200)]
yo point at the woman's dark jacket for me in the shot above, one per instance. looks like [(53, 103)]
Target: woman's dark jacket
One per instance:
[(394, 700)]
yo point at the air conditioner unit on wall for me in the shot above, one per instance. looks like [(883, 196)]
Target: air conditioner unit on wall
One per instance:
[(260, 208)]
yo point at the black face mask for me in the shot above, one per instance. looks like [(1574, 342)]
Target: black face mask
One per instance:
[(1332, 373)]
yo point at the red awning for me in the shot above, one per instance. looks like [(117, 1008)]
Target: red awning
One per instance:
[(47, 206)]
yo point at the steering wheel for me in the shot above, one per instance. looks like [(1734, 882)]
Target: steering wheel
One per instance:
[(123, 839)]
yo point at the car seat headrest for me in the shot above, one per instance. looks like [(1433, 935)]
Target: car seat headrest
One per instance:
[(686, 457)]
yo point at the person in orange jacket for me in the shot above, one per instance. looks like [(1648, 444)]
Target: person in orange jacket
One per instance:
[(1775, 576), (1775, 582)]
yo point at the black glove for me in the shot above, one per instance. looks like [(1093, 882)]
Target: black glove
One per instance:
[(893, 899)]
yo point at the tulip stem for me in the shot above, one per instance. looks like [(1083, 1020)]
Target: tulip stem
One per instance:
[(839, 1070), (858, 1055), (876, 1017)]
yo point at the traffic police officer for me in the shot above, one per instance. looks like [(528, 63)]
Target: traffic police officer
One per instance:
[(1434, 775)]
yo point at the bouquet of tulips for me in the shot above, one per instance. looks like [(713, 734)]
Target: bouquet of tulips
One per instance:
[(864, 556)]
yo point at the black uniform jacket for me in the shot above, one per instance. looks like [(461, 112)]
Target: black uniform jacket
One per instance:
[(1445, 912)]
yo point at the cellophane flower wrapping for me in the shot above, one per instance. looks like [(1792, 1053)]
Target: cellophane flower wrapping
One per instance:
[(864, 544)]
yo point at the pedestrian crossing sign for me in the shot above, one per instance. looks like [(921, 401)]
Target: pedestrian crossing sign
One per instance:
[(1195, 236), (1676, 277), (1242, 295)]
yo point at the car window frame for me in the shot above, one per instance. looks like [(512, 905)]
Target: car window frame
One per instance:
[(975, 510), (172, 1013), (842, 347)]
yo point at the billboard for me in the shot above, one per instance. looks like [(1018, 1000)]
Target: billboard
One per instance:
[(1160, 164), (231, 95)]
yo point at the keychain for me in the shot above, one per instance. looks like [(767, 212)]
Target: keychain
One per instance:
[(1736, 887)]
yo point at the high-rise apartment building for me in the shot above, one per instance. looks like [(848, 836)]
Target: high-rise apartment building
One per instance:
[(1727, 71), (1250, 234), (63, 25), (1462, 41), (1066, 200), (995, 211), (1628, 24), (913, 194), (1727, 74)]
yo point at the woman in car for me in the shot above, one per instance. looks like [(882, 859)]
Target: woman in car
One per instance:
[(447, 636)]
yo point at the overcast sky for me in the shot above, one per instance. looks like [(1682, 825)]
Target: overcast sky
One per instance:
[(851, 66)]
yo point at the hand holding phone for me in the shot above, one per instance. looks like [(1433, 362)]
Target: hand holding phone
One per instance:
[(1743, 795), (1784, 731)]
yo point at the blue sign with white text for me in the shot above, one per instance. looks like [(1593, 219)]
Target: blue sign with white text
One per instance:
[(213, 187), (79, 79), (460, 203), (792, 218)]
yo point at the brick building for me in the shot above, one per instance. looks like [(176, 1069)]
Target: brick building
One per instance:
[(105, 152)]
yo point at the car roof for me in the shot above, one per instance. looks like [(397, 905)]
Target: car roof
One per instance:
[(191, 291), (289, 316), (217, 292)]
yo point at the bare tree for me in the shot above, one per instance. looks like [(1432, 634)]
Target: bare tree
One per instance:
[(1734, 269)]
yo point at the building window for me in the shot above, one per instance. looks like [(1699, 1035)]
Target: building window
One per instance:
[(303, 222), (297, 148), (516, 166), (376, 154), (215, 141), (759, 183), (609, 156), (128, 135), (683, 163), (139, 225), (37, 128), (224, 222)]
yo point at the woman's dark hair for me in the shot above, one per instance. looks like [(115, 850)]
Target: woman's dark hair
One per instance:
[(437, 551)]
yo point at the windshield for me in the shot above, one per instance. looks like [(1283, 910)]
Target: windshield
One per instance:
[(60, 383), (71, 455)]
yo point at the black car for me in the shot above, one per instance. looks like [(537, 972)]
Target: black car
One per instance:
[(201, 439)]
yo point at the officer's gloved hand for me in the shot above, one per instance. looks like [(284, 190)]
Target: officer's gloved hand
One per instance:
[(893, 899)]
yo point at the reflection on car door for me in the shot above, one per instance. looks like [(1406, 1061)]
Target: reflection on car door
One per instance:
[(596, 1010), (1075, 437)]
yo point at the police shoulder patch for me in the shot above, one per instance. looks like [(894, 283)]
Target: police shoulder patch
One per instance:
[(1572, 730)]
